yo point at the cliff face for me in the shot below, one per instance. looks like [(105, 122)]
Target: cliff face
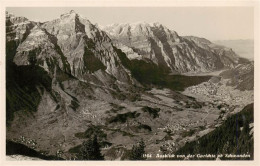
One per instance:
[(17, 29), (166, 48), (226, 55), (40, 48)]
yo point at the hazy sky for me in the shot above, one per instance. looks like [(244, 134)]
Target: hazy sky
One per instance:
[(214, 23)]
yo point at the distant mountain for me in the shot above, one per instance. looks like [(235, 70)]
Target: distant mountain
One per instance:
[(167, 49), (244, 48), (242, 76)]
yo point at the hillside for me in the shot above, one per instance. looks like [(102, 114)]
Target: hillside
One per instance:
[(234, 136), (242, 76)]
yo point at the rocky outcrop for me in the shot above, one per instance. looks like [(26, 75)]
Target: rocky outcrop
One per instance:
[(17, 28), (40, 48), (166, 48)]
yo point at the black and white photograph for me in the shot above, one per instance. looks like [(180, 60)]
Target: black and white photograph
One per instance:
[(129, 83)]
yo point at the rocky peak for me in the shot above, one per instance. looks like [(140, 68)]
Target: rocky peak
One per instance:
[(72, 14), (137, 28), (72, 11), (72, 23), (140, 30), (17, 28), (15, 20)]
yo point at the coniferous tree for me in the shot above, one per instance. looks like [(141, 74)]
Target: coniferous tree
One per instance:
[(97, 152), (90, 150), (137, 151)]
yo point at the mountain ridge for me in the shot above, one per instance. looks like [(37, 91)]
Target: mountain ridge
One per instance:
[(166, 48)]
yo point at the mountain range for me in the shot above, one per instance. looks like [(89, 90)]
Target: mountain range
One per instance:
[(166, 48)]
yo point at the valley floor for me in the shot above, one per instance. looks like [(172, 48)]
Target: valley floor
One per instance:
[(168, 120)]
